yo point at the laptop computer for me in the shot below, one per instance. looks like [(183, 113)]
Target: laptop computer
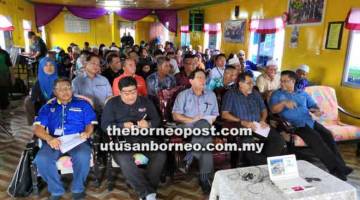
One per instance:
[(284, 174)]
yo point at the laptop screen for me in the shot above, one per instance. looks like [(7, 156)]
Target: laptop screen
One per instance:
[(282, 167)]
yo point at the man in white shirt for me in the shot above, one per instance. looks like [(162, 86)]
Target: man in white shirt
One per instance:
[(270, 80), (217, 73)]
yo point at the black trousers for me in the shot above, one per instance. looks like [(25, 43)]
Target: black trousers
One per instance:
[(143, 181), (322, 143), (4, 97), (274, 145)]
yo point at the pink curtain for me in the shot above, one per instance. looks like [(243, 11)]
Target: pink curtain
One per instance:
[(5, 24), (212, 28), (352, 21), (265, 26), (184, 29)]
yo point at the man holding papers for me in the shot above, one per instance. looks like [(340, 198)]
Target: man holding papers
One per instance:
[(246, 106), (60, 119), (197, 107)]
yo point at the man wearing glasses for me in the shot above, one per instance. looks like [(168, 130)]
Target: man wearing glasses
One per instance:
[(129, 110), (245, 106), (197, 107), (91, 84), (182, 78), (295, 106), (64, 115)]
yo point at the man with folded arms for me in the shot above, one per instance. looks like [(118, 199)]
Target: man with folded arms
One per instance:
[(245, 106), (64, 115)]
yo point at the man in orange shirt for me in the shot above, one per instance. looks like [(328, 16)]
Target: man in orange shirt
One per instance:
[(129, 70)]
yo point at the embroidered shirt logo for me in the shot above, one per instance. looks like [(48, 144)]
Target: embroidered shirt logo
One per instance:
[(142, 109)]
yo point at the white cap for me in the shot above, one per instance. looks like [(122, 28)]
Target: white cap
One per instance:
[(304, 68), (233, 61), (114, 49), (271, 63)]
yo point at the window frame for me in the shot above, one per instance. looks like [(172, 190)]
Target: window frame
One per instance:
[(206, 42), (278, 51), (344, 81)]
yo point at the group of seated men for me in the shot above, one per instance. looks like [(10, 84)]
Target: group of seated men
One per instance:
[(126, 104)]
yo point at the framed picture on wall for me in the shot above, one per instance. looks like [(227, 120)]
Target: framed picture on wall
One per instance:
[(334, 35), (306, 12), (234, 31)]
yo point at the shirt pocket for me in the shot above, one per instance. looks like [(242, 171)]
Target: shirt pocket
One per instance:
[(75, 115)]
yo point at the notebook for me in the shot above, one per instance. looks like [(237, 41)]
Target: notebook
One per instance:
[(284, 174)]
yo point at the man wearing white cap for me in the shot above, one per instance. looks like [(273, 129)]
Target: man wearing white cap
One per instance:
[(301, 73), (270, 80), (235, 62)]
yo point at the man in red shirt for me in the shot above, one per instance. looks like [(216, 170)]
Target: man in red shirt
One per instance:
[(129, 70)]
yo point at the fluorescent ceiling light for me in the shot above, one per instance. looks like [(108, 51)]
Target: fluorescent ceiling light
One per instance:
[(112, 3)]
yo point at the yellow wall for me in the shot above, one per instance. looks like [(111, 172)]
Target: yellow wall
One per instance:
[(102, 30), (18, 10), (326, 65)]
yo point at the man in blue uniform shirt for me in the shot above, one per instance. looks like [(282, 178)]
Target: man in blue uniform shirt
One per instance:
[(64, 115)]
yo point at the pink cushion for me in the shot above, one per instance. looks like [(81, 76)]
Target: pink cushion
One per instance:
[(340, 132), (325, 98)]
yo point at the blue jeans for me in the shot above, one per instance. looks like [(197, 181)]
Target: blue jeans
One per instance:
[(45, 161)]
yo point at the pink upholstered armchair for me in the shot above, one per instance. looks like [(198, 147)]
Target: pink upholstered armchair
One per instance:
[(325, 97)]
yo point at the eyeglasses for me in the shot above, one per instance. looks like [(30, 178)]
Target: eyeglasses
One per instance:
[(129, 92)]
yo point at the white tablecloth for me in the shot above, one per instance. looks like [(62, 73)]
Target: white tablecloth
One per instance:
[(228, 185)]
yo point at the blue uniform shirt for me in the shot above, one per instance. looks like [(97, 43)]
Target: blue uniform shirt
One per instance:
[(299, 116), (71, 118)]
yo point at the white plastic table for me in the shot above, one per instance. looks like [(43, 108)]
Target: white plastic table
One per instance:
[(229, 185)]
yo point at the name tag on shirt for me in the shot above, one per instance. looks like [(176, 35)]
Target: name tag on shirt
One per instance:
[(58, 132), (75, 109)]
